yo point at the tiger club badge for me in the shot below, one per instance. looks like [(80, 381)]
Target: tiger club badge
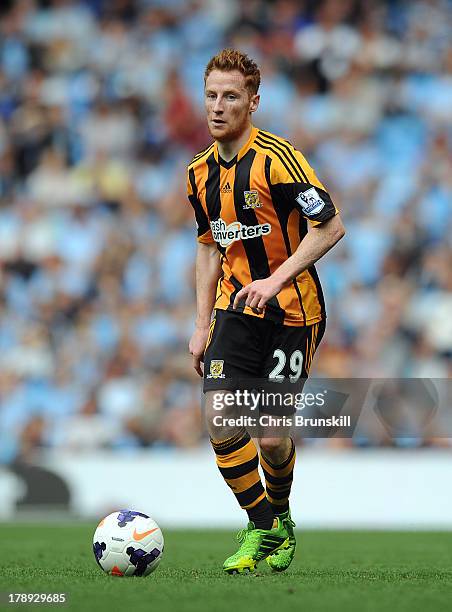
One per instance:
[(251, 199), (216, 369)]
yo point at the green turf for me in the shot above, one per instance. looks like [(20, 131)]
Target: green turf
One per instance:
[(333, 571)]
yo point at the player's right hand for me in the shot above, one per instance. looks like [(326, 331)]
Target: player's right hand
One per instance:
[(197, 346)]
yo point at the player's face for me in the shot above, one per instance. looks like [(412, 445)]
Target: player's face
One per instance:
[(228, 105)]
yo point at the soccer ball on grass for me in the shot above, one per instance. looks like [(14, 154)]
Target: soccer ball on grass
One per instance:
[(128, 543)]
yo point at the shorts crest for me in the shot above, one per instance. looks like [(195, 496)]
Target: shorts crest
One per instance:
[(216, 368)]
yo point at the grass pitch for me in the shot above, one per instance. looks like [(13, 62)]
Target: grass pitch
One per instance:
[(332, 571)]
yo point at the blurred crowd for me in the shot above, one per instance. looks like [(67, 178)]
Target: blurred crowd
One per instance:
[(101, 108)]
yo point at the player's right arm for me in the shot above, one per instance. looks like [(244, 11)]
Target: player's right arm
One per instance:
[(208, 271)]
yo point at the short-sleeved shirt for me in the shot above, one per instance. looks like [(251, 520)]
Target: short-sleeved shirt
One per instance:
[(256, 208)]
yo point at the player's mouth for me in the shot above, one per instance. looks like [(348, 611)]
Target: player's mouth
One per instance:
[(218, 122)]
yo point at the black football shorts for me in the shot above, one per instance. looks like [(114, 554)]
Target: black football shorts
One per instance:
[(245, 348)]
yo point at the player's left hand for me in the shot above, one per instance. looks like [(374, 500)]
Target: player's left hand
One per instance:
[(258, 293)]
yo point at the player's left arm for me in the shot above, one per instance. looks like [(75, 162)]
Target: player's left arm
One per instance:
[(326, 229), (318, 241)]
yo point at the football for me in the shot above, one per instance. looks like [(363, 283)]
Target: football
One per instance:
[(128, 543)]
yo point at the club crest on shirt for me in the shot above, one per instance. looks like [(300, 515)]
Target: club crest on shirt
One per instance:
[(310, 201), (216, 369), (251, 199)]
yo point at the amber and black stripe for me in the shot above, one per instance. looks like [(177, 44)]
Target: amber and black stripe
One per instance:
[(283, 211), (213, 188), (202, 153), (287, 152), (285, 162), (237, 286), (254, 249), (238, 462), (312, 344), (202, 222), (278, 481)]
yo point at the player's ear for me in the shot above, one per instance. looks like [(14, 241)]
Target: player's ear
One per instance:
[(254, 102)]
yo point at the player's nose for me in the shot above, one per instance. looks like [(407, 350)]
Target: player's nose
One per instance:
[(218, 106)]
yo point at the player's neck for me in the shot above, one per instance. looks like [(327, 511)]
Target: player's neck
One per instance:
[(228, 150)]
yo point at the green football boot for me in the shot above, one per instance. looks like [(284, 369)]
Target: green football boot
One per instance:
[(280, 560), (255, 545)]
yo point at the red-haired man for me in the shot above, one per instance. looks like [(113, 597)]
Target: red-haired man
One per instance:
[(253, 195)]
